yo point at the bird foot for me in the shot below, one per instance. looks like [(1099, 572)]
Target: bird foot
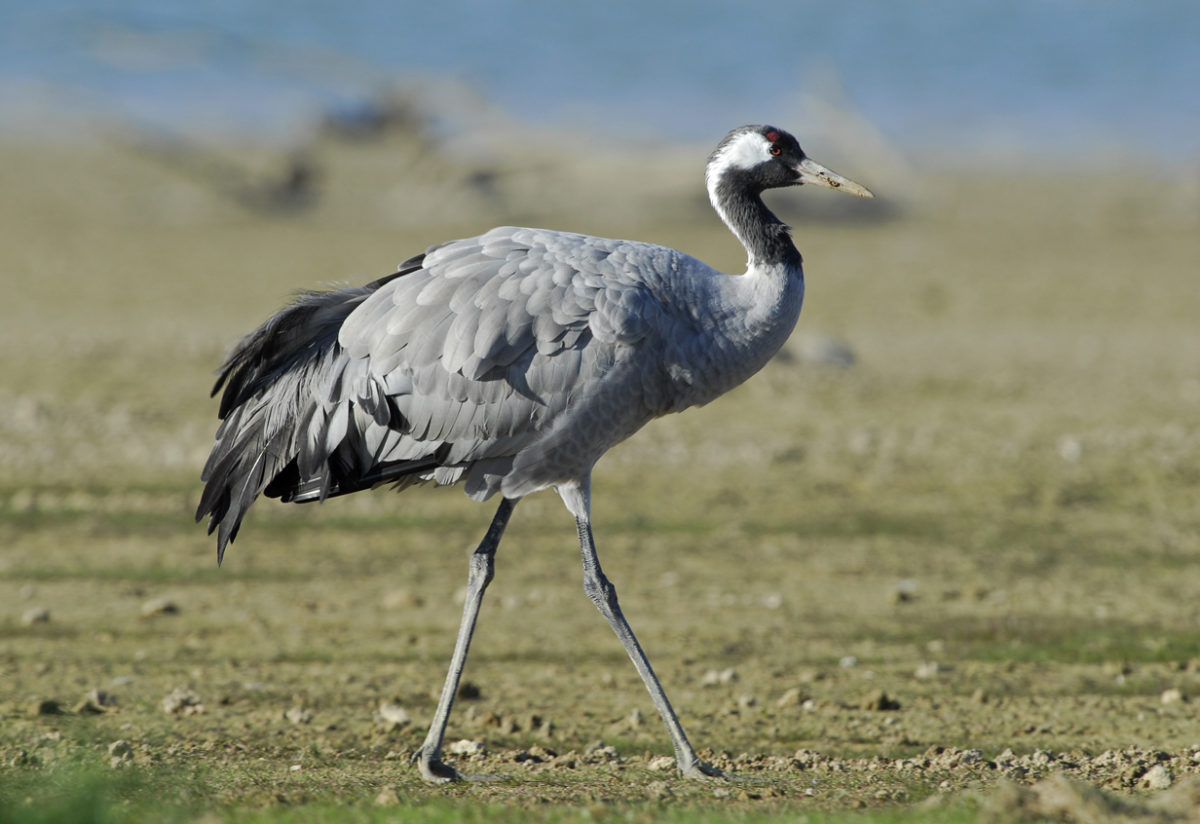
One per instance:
[(703, 771), (436, 771)]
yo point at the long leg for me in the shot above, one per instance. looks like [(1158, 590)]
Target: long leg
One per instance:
[(482, 569), (604, 595)]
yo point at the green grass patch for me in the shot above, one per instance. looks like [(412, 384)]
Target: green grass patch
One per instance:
[(82, 793)]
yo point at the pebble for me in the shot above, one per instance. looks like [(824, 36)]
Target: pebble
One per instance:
[(87, 707), (1173, 696), (599, 751), (159, 606), (714, 677), (466, 747), (904, 592), (182, 701), (299, 715), (878, 700), (635, 719), (120, 753), (393, 716), (661, 762), (792, 698), (35, 615), (47, 706), (101, 698), (1157, 777)]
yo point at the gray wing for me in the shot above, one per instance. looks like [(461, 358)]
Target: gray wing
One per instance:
[(494, 346), (509, 361)]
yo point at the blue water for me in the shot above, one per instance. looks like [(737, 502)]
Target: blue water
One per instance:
[(1055, 78)]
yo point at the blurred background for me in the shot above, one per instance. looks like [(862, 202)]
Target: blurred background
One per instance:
[(173, 171), (1052, 83)]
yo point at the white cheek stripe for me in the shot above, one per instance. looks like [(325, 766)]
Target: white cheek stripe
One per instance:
[(744, 152)]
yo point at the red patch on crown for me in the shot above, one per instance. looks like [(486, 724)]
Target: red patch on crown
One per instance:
[(772, 136)]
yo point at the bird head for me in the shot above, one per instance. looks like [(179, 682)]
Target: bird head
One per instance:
[(765, 157)]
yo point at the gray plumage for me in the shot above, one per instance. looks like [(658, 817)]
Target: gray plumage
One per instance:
[(509, 362)]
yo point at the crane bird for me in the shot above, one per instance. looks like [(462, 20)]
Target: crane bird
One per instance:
[(510, 362)]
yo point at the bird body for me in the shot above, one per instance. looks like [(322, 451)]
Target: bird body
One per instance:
[(509, 362)]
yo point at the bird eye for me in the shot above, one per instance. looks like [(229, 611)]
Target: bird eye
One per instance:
[(776, 151)]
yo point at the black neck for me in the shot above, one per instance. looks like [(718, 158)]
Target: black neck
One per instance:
[(767, 239)]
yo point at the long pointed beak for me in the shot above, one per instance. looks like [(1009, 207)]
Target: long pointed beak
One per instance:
[(813, 172)]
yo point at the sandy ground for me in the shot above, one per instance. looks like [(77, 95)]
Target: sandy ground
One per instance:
[(945, 541)]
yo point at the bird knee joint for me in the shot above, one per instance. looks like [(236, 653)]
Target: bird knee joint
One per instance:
[(601, 591), (482, 568)]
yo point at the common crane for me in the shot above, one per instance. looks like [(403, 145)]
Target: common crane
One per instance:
[(510, 362)]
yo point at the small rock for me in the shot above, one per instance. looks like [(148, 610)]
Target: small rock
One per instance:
[(393, 716), (1157, 777), (120, 753), (792, 698), (182, 701), (469, 691), (46, 706), (1173, 696), (661, 762), (927, 669), (35, 615), (101, 698), (159, 606), (87, 707), (388, 797), (542, 753), (714, 677), (466, 747), (878, 700), (848, 661), (1069, 448), (299, 715), (599, 751)]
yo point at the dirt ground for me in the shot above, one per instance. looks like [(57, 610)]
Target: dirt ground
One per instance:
[(942, 548)]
